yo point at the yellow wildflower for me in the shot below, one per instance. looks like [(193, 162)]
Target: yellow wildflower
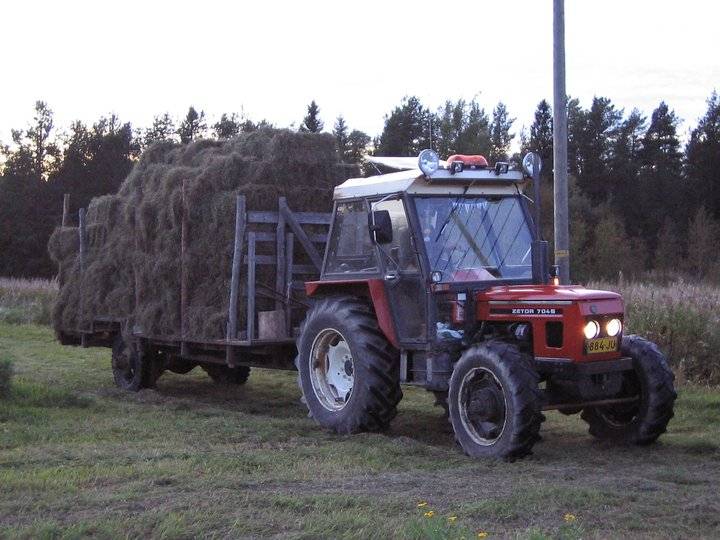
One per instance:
[(569, 518), (452, 519), (429, 513), (482, 534), (422, 504)]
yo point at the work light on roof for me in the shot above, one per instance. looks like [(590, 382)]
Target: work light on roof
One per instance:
[(528, 164), (429, 162)]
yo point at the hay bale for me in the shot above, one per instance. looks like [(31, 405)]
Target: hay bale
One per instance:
[(132, 268)]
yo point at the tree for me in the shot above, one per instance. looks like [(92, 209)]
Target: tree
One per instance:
[(614, 251), (669, 254), (659, 174), (500, 136), (703, 157), (162, 129), (192, 127), (406, 130), (541, 137), (312, 122), (624, 168), (450, 122), (703, 235), (475, 135), (340, 132), (357, 146), (227, 127)]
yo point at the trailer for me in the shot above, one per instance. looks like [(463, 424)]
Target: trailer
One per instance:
[(267, 339)]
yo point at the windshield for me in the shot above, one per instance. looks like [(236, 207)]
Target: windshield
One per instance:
[(476, 238)]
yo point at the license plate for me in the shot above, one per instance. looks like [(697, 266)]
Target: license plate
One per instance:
[(601, 345)]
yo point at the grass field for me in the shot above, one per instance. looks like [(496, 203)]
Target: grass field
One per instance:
[(80, 458)]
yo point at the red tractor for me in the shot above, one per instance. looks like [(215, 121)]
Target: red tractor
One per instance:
[(436, 277)]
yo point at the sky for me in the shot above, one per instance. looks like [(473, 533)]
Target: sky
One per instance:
[(270, 58)]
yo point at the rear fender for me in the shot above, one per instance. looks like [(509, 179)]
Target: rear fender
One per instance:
[(371, 289)]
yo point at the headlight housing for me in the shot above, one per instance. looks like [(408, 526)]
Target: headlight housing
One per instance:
[(591, 330), (613, 327)]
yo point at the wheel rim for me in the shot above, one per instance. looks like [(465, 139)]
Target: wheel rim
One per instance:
[(332, 369), (482, 406)]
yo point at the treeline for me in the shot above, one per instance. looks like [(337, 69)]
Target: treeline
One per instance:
[(641, 201)]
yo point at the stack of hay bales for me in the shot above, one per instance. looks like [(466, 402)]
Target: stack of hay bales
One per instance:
[(132, 267)]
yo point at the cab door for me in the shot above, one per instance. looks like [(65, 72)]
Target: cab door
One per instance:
[(404, 283)]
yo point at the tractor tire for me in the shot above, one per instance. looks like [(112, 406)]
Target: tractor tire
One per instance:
[(495, 402), (227, 375), (643, 422), (134, 366), (348, 372)]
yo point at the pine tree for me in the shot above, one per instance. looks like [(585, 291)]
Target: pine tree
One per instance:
[(703, 236), (227, 127), (703, 157), (500, 136), (475, 135), (669, 256), (312, 122), (406, 131), (541, 137), (162, 129), (340, 132), (357, 146), (192, 127)]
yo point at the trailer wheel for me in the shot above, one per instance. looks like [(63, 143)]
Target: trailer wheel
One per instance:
[(495, 402), (134, 366), (347, 370), (227, 375), (644, 421)]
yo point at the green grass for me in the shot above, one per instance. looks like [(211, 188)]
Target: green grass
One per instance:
[(79, 458), (24, 301)]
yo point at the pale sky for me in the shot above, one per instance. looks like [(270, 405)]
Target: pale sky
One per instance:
[(358, 59)]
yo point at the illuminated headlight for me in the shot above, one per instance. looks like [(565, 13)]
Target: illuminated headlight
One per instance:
[(428, 161), (436, 276), (613, 327), (591, 330)]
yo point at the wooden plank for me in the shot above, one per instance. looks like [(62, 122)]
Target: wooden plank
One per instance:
[(301, 235), (235, 276), (66, 210), (306, 218), (289, 247), (280, 257), (261, 236), (183, 273), (82, 237), (251, 287)]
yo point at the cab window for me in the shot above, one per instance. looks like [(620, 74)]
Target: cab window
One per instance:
[(400, 252), (350, 250)]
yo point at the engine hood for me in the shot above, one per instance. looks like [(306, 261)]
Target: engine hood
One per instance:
[(545, 293)]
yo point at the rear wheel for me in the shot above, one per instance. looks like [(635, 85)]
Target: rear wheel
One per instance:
[(227, 375), (495, 401), (651, 380), (134, 366), (347, 370)]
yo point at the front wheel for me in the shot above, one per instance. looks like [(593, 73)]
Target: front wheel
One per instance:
[(651, 381), (347, 370), (495, 402)]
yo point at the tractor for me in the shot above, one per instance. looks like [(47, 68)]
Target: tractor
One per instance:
[(435, 275)]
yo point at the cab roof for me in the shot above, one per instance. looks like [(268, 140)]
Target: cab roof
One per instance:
[(412, 180)]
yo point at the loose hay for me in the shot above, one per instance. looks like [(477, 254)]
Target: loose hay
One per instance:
[(132, 268)]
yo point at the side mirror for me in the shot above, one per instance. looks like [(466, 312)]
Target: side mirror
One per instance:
[(380, 226)]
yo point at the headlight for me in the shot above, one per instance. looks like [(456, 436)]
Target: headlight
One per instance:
[(591, 330), (613, 327)]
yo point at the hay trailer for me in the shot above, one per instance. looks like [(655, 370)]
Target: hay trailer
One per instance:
[(263, 239)]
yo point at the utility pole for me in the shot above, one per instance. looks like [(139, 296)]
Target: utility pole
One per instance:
[(560, 139)]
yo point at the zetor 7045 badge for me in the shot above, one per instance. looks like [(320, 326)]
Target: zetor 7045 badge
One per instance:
[(527, 311)]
